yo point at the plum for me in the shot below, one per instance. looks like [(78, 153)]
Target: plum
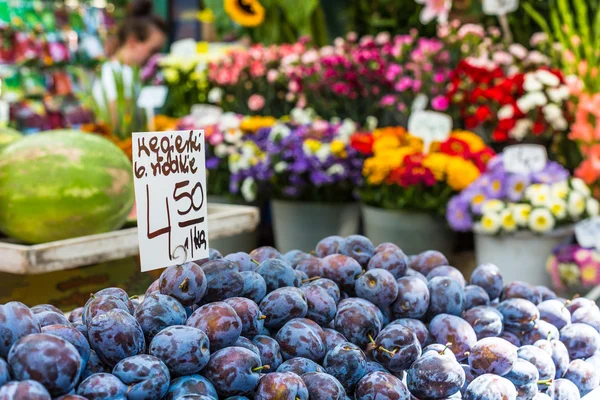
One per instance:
[(45, 318), (250, 315), (16, 321), (521, 290), (247, 344), (392, 260), (563, 389), (26, 390), (493, 356), (119, 294), (358, 247), (4, 372), (184, 350), (283, 305), (581, 340), (100, 305), (587, 315), (76, 315), (342, 270), (191, 385), (157, 312), (486, 321), (490, 387), (223, 280), (264, 253), (299, 339), (583, 375), (519, 314), (435, 376), (380, 384), (546, 293), (269, 351), (242, 260), (329, 285), (450, 272), (347, 363), (357, 322), (321, 306), (333, 338), (446, 328), (300, 366), (154, 287), (377, 286), (277, 274), (413, 298), (186, 283), (540, 359), (219, 322), (328, 246), (293, 257), (281, 386), (147, 376), (555, 313), (418, 327), (475, 296), (446, 296), (255, 287), (396, 348), (489, 277), (103, 386), (234, 371), (312, 266), (116, 335), (426, 261), (93, 366), (74, 337), (541, 330), (322, 386), (50, 360)]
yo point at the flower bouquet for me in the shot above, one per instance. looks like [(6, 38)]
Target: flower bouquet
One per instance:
[(520, 216), (574, 269), (406, 190), (310, 170)]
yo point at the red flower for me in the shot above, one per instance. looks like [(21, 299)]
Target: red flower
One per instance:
[(455, 147), (482, 113), (362, 142), (411, 175), (500, 135), (538, 128), (482, 157), (414, 160)]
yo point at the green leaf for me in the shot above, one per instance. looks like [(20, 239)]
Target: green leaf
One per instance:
[(299, 14)]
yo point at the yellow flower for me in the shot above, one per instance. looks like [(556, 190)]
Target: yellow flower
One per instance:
[(589, 273), (461, 173), (245, 12), (311, 146), (375, 171), (253, 124), (338, 148), (508, 221), (385, 143), (396, 131), (171, 75), (475, 142), (437, 163), (416, 144)]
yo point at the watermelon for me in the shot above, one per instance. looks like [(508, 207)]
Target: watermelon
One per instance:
[(7, 136), (63, 184)]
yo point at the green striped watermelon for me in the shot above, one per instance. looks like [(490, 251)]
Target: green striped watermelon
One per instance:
[(7, 136), (63, 184)]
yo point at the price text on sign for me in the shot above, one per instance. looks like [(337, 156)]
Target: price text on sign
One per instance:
[(430, 126), (525, 158), (500, 7), (587, 233), (170, 191)]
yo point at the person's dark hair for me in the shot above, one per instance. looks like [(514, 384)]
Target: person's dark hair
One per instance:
[(139, 22)]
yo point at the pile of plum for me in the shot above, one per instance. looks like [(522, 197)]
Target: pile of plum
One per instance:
[(348, 321)]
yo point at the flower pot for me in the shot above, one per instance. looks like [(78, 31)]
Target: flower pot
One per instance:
[(246, 241), (413, 231), (521, 256), (300, 225)]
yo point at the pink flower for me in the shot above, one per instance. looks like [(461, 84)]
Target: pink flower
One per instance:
[(382, 38), (439, 77), (416, 86), (393, 71), (257, 68), (387, 100), (216, 138), (352, 36), (294, 87), (538, 38), (435, 9), (320, 125), (256, 102), (272, 75), (403, 84), (401, 107), (440, 103), (301, 101)]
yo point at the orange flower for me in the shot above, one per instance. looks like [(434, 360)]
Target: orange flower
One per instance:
[(455, 147), (396, 131)]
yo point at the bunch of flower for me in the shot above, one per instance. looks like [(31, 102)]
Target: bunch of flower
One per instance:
[(306, 159), (504, 202), (231, 134), (250, 81), (375, 76), (399, 175), (573, 267), (585, 131)]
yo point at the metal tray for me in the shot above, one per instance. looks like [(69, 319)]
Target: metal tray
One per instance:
[(224, 220)]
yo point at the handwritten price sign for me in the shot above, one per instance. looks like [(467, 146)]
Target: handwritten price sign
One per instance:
[(524, 158), (170, 190), (500, 7), (587, 233), (430, 126)]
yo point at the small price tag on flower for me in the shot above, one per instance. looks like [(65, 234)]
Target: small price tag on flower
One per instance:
[(420, 102), (430, 126), (170, 189), (587, 233), (500, 7), (524, 158)]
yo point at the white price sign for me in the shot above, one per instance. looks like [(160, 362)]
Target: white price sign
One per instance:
[(170, 190), (206, 114), (524, 158), (430, 126), (500, 7), (587, 233), (420, 102), (152, 97)]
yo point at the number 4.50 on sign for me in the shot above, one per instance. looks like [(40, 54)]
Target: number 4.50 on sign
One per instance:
[(170, 190)]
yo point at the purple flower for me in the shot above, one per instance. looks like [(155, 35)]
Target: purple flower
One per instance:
[(212, 163), (458, 215), (496, 164), (291, 191), (496, 187), (516, 185), (475, 195), (553, 172)]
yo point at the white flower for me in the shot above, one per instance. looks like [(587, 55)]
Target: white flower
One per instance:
[(552, 112), (540, 199), (306, 149), (526, 103), (537, 188), (233, 135), (279, 131), (521, 214), (559, 190), (248, 150), (490, 223), (280, 167), (371, 123), (228, 121), (215, 95), (509, 224), (592, 207), (559, 94), (581, 187), (521, 129), (518, 51), (301, 116), (324, 152), (576, 204), (558, 207), (492, 206), (506, 112), (335, 169), (541, 220), (531, 83), (221, 150), (547, 78), (249, 189), (560, 124)]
